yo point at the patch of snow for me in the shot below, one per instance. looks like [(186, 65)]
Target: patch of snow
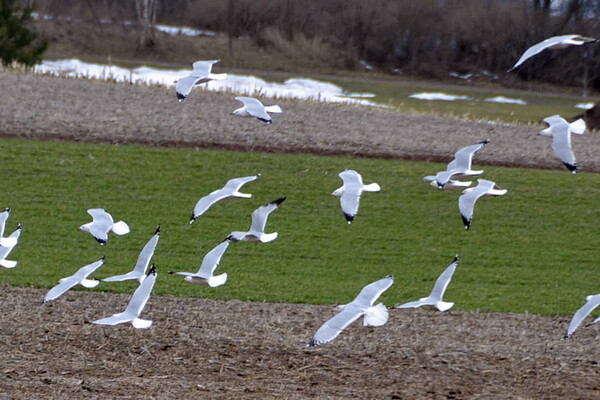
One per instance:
[(298, 88), (502, 99), (438, 96), (461, 76), (183, 30), (585, 106)]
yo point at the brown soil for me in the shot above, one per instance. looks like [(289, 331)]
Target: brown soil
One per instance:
[(72, 109), (231, 350)]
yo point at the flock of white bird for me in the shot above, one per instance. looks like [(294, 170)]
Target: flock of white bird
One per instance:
[(350, 193)]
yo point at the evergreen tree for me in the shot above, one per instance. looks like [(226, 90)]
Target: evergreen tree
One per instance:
[(17, 42)]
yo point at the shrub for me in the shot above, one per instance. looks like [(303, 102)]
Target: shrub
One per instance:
[(17, 42)]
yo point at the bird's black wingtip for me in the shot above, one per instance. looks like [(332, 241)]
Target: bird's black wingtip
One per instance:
[(455, 258), (20, 226), (279, 200), (7, 209), (466, 222), (192, 218), (571, 167), (349, 218), (312, 343), (157, 231), (152, 270), (181, 97), (266, 121)]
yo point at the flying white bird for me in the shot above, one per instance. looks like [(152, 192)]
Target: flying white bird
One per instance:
[(136, 305), (211, 260), (229, 191), (79, 278), (466, 202), (5, 250), (200, 74), (435, 297), (591, 302), (561, 130), (349, 193), (5, 241), (139, 271), (102, 223), (459, 167), (553, 43), (259, 221), (362, 305), (254, 108)]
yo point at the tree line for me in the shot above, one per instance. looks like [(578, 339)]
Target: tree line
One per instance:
[(423, 38)]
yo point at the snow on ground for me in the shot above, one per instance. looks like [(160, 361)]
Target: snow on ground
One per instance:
[(453, 97), (585, 106), (300, 88), (438, 96), (502, 99)]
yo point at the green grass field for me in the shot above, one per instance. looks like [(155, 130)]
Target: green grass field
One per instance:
[(533, 250)]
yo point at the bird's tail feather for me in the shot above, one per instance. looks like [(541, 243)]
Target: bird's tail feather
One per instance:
[(89, 283), (578, 126), (444, 305), (268, 237), (376, 315), (372, 187), (218, 280), (139, 323), (273, 109), (8, 263), (120, 228)]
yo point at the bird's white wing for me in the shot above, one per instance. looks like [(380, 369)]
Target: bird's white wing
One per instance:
[(101, 224), (561, 144), (3, 217), (233, 185), (464, 157), (415, 304), (203, 68), (351, 177), (443, 280), (212, 258), (85, 271), (591, 303), (350, 201), (184, 86), (556, 121), (553, 42), (255, 108), (115, 319), (260, 215), (207, 201), (466, 203), (62, 287), (147, 252), (141, 295), (334, 326), (100, 216), (370, 293), (5, 250)]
